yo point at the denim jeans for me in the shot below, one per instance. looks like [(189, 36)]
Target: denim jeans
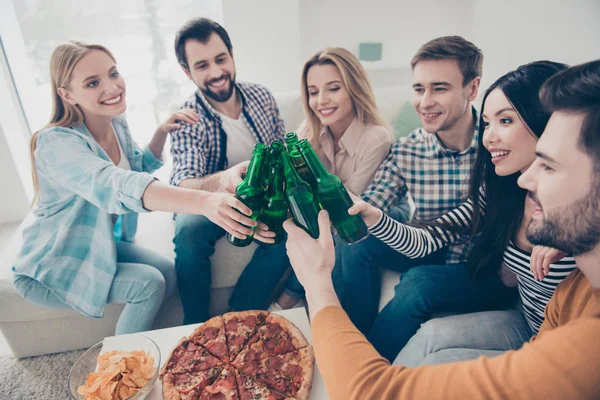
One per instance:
[(426, 290), (195, 238), (293, 288), (143, 280), (359, 266), (464, 337)]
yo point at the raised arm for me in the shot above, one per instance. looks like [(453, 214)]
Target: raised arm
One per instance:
[(413, 241), (188, 147), (118, 191), (157, 143), (554, 366)]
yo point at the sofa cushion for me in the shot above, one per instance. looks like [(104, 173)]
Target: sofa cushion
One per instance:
[(389, 280), (227, 263), (406, 121)]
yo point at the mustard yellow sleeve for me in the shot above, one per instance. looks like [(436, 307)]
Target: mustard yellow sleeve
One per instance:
[(563, 364)]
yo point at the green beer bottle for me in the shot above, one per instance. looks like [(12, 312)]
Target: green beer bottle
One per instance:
[(302, 168), (300, 199), (334, 198), (275, 208), (273, 154), (250, 191), (291, 139)]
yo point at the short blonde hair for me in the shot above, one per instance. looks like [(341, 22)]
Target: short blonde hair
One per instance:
[(354, 79)]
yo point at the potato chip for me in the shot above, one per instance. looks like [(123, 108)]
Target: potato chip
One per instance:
[(119, 375)]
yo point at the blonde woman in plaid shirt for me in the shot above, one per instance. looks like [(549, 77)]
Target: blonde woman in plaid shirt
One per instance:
[(91, 180)]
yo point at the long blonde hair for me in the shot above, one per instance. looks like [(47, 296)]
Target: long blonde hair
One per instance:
[(354, 79), (62, 62)]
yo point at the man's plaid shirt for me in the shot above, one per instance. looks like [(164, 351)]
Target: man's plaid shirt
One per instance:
[(201, 149), (435, 177)]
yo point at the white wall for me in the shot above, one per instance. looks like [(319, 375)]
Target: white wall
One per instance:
[(266, 41), (273, 38), (401, 25), (515, 32)]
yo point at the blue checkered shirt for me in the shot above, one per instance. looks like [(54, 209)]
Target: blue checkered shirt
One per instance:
[(201, 149), (435, 177), (70, 246)]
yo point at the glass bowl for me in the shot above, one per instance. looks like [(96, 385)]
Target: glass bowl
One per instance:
[(88, 362)]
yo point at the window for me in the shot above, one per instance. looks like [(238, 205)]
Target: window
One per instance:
[(140, 33)]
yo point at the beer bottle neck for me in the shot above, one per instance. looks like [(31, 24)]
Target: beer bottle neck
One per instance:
[(276, 184), (253, 175), (288, 167), (313, 162), (291, 140)]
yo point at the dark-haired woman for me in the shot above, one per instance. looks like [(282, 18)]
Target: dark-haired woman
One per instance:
[(512, 120)]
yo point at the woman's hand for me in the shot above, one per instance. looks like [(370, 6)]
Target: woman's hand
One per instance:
[(263, 234), (222, 209), (157, 143), (370, 214), (541, 258), (185, 114)]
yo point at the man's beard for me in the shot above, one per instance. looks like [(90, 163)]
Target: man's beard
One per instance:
[(221, 96), (574, 229)]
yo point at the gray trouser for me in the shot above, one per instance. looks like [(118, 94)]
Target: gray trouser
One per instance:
[(465, 337)]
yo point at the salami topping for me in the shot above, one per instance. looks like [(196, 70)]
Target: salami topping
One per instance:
[(248, 355)]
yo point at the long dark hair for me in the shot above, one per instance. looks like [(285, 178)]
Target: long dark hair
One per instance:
[(505, 200)]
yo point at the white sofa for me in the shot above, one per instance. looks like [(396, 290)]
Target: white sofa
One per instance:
[(31, 330)]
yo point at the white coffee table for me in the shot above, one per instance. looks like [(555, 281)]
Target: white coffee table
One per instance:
[(166, 339)]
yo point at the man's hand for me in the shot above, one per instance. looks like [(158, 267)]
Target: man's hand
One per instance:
[(541, 258), (186, 114), (312, 259), (220, 208), (370, 214), (230, 178)]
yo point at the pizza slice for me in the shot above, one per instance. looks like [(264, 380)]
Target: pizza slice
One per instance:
[(251, 389), (211, 335), (189, 357), (290, 374), (240, 327), (223, 388), (188, 386), (277, 336)]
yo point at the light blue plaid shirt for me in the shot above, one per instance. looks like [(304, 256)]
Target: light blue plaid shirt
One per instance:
[(70, 246)]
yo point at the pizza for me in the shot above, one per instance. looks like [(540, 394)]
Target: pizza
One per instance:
[(240, 327), (247, 355)]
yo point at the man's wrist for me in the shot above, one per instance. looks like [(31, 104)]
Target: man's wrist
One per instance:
[(325, 286), (320, 298)]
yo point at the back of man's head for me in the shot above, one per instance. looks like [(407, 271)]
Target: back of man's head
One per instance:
[(577, 90), (468, 56), (199, 29)]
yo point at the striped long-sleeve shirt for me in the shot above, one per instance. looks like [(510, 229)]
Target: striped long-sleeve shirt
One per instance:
[(418, 242)]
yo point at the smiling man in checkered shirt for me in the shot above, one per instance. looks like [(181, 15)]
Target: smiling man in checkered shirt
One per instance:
[(233, 117), (431, 165)]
